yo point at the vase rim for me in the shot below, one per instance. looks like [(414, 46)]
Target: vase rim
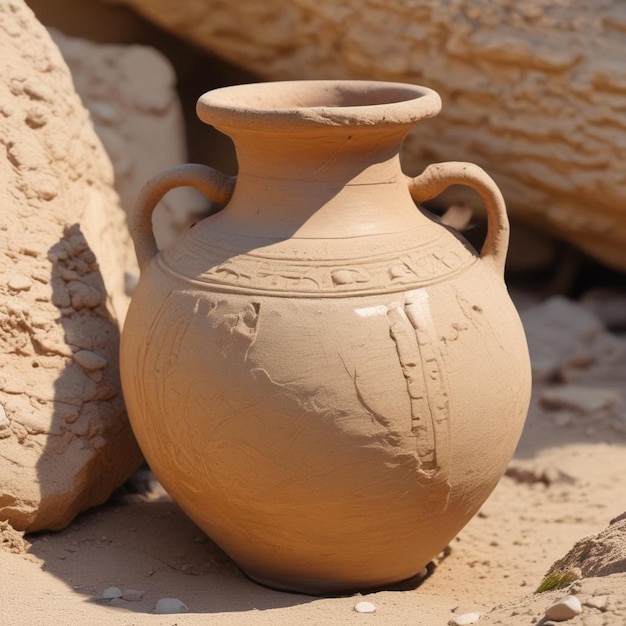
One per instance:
[(299, 104)]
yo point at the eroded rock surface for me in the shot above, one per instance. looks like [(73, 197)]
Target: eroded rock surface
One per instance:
[(65, 442), (602, 554), (130, 93)]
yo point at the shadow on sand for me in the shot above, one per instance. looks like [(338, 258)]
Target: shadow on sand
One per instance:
[(151, 547)]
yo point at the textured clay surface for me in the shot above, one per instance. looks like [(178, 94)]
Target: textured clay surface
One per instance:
[(533, 91), (65, 442), (326, 380)]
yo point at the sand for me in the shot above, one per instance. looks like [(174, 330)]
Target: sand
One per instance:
[(565, 482)]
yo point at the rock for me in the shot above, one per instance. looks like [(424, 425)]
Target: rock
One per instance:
[(65, 441), (12, 540), (606, 368), (170, 605), (464, 619), (608, 305), (90, 360), (532, 93), (560, 334), (562, 418), (618, 518), (601, 603), (537, 474), (111, 592), (586, 400), (19, 282), (564, 609), (602, 554), (132, 595), (365, 607), (130, 91), (526, 609)]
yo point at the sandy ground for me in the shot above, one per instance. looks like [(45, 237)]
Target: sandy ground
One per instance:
[(565, 482)]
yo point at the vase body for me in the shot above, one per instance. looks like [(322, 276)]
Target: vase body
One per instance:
[(326, 380)]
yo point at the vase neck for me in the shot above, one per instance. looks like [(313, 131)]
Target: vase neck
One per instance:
[(335, 183)]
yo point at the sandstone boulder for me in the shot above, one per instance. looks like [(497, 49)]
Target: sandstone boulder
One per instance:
[(65, 442), (532, 91), (130, 92)]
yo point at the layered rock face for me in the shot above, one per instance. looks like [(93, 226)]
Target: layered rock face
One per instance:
[(65, 442), (532, 91)]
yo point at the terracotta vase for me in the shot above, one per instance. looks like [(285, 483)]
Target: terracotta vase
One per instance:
[(327, 380)]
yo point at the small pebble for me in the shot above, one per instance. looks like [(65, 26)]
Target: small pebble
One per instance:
[(598, 602), (464, 619), (170, 605), (365, 607), (564, 609), (132, 595), (111, 592), (90, 360), (131, 280)]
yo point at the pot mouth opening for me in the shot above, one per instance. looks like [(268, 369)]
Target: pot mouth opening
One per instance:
[(317, 102)]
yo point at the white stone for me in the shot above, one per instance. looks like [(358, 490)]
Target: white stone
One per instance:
[(111, 592), (365, 607), (132, 595), (170, 605), (464, 619), (90, 360), (600, 602), (564, 609)]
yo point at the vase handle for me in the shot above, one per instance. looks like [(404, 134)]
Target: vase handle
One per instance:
[(439, 176), (212, 183)]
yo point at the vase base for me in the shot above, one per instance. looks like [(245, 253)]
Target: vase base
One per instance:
[(320, 587)]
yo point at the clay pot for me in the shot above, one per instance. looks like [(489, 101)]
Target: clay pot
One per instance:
[(327, 380)]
